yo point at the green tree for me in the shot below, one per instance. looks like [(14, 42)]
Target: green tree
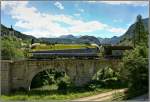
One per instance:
[(32, 41), (134, 70), (140, 34), (11, 48)]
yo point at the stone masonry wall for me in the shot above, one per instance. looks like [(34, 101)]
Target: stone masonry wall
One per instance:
[(19, 74)]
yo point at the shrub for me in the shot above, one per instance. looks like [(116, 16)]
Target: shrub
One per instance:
[(92, 87), (62, 85), (134, 70)]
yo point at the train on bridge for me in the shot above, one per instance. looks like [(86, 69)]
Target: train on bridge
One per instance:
[(86, 53), (109, 52)]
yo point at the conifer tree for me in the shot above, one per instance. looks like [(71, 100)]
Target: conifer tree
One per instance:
[(140, 34), (32, 41)]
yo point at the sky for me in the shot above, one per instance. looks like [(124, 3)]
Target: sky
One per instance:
[(51, 19)]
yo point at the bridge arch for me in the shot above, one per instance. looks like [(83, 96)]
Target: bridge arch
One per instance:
[(36, 72), (79, 71)]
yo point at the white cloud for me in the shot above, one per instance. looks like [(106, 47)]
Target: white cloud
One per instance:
[(88, 27), (41, 24), (118, 31), (81, 10), (77, 14), (59, 5), (117, 20), (38, 33), (134, 3)]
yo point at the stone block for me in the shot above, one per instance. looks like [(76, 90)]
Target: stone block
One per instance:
[(4, 75), (4, 66)]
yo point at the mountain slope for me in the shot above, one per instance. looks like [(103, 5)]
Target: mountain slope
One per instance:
[(57, 40), (5, 31), (67, 36), (65, 39), (125, 38), (114, 40), (70, 39), (81, 40), (89, 39)]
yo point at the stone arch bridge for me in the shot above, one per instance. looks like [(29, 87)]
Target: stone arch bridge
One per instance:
[(19, 74)]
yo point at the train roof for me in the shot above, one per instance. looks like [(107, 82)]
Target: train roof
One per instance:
[(86, 50)]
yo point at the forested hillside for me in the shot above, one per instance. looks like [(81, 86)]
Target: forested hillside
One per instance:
[(14, 46), (5, 31)]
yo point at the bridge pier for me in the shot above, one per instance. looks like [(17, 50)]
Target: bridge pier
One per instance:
[(5, 76)]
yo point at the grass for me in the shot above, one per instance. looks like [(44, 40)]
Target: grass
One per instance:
[(41, 95), (47, 87), (61, 47)]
